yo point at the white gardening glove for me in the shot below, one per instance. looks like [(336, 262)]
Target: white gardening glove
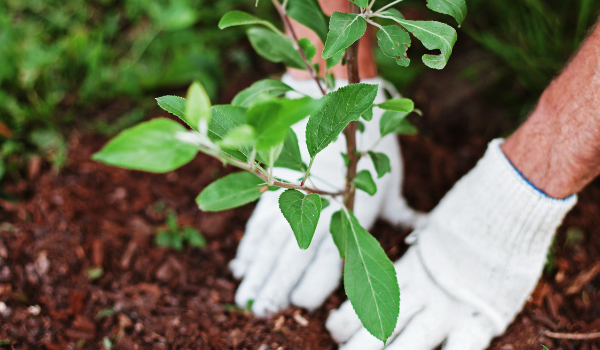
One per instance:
[(472, 266), (274, 269)]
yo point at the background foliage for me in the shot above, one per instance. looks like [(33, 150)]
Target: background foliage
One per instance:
[(62, 57)]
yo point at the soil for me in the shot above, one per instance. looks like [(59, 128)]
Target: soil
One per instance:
[(67, 226)]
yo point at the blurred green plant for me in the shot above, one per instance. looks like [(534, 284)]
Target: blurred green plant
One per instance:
[(173, 236), (533, 40), (60, 55)]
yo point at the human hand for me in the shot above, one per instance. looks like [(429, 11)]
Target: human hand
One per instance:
[(274, 269), (472, 266)]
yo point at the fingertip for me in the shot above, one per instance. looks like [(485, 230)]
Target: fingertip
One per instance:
[(343, 323)]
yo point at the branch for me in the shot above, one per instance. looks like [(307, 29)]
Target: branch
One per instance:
[(260, 172), (288, 27), (350, 130)]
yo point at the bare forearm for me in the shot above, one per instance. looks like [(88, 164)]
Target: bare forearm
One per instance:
[(558, 147)]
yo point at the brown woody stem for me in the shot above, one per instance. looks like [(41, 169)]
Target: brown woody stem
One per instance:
[(350, 130)]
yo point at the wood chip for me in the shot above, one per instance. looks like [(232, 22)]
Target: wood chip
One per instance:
[(582, 279), (572, 336), (279, 323), (299, 319)]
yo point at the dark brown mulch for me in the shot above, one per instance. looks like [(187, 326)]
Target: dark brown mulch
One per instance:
[(91, 216), (94, 216)]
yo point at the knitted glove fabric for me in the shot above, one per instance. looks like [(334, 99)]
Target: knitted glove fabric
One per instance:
[(274, 269), (473, 264)]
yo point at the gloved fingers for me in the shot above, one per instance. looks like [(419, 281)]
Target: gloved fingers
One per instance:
[(363, 340), (261, 266), (321, 277), (424, 331), (410, 272), (287, 271), (257, 227), (343, 322), (473, 334)]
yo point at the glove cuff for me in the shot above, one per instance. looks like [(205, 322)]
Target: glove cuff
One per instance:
[(486, 242)]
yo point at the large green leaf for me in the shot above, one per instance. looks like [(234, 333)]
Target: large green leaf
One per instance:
[(231, 191), (302, 213), (290, 157), (226, 118), (310, 14), (275, 47), (151, 146), (433, 35), (340, 108), (405, 105), (239, 18), (272, 119), (344, 30), (364, 181), (370, 280), (338, 232), (395, 122), (394, 42), (197, 107), (381, 163), (454, 8), (262, 90)]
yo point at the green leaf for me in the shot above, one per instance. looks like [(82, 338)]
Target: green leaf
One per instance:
[(226, 118), (275, 47), (454, 8), (302, 213), (360, 126), (335, 59), (176, 106), (270, 155), (370, 280), (242, 136), (338, 232), (260, 91), (197, 107), (272, 119), (231, 191), (290, 157), (95, 273), (2, 168), (368, 114), (239, 18), (381, 163), (344, 30), (364, 181), (194, 237), (433, 35), (310, 14), (361, 3), (340, 108), (394, 42), (151, 146), (346, 159), (405, 105), (395, 122), (309, 49)]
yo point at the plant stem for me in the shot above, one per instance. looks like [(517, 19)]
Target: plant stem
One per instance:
[(260, 172), (350, 130), (288, 27), (388, 6), (307, 171)]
